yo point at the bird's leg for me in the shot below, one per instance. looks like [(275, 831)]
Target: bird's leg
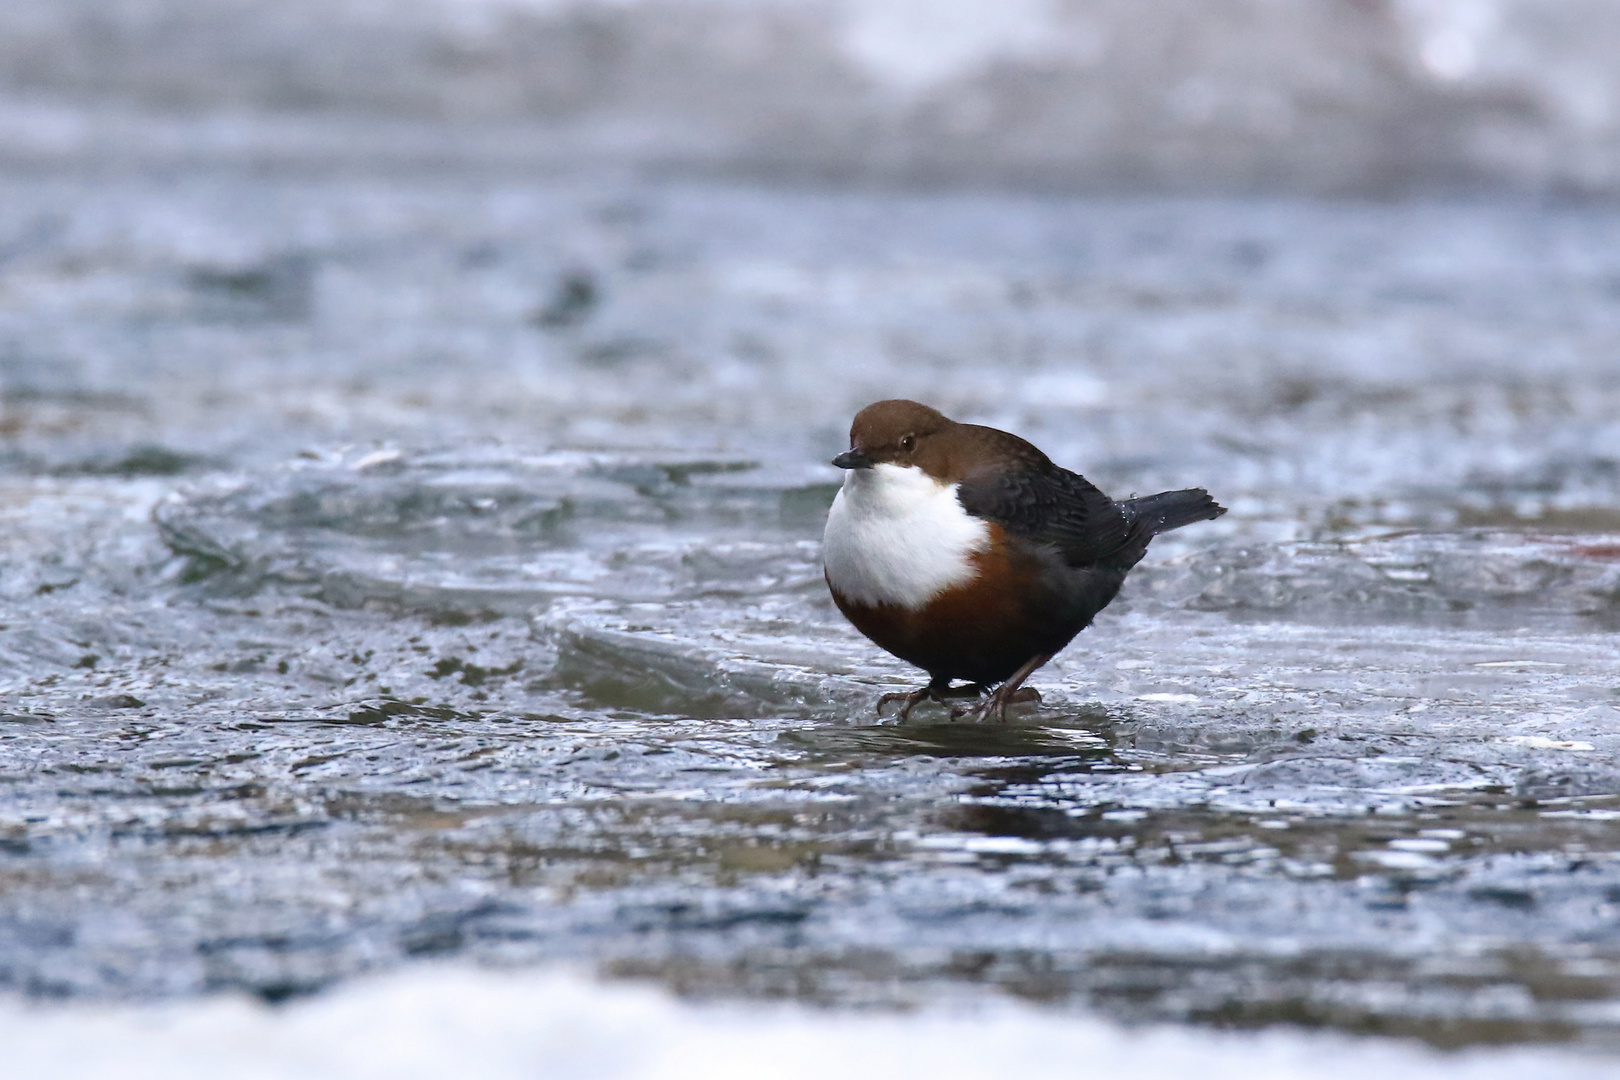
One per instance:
[(938, 689), (1008, 693)]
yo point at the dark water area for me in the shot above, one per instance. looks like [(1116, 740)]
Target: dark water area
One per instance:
[(430, 569)]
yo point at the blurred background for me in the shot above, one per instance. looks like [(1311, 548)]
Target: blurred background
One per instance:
[(1358, 98), (414, 418)]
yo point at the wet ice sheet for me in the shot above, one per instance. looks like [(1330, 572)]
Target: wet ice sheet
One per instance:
[(401, 574), (344, 754)]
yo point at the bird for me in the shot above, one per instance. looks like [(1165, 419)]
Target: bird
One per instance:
[(966, 552)]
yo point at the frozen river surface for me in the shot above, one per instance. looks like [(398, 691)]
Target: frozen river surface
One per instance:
[(431, 569)]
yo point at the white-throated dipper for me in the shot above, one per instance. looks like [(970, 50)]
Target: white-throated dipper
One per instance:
[(965, 551)]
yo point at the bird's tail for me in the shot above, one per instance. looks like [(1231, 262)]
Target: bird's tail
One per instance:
[(1172, 509)]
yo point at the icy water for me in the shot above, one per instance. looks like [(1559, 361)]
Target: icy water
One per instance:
[(431, 569)]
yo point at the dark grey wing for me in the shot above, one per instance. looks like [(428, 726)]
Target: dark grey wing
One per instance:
[(1050, 505)]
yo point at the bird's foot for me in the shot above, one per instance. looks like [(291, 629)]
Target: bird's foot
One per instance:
[(934, 692), (996, 704), (908, 701)]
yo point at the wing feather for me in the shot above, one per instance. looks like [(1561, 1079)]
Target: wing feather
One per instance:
[(1046, 504)]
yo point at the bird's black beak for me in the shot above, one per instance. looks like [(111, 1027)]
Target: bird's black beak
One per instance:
[(853, 459)]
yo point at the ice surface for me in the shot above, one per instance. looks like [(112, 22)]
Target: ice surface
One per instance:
[(430, 569)]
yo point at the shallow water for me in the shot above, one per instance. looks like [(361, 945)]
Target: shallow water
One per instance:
[(431, 569)]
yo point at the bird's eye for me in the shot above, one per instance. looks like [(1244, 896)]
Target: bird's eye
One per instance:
[(909, 443)]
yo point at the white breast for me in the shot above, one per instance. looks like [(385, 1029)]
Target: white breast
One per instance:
[(895, 535)]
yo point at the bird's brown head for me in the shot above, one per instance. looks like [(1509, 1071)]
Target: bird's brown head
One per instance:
[(898, 432)]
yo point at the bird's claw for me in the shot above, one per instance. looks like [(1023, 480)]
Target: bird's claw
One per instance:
[(932, 692), (909, 700), (996, 703)]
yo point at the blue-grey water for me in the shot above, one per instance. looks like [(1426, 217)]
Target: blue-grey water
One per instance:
[(428, 566)]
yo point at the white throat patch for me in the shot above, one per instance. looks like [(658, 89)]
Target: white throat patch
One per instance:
[(895, 535)]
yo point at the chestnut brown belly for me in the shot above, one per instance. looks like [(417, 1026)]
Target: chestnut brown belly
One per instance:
[(980, 632)]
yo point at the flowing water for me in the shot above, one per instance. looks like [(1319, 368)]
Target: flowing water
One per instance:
[(431, 568)]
